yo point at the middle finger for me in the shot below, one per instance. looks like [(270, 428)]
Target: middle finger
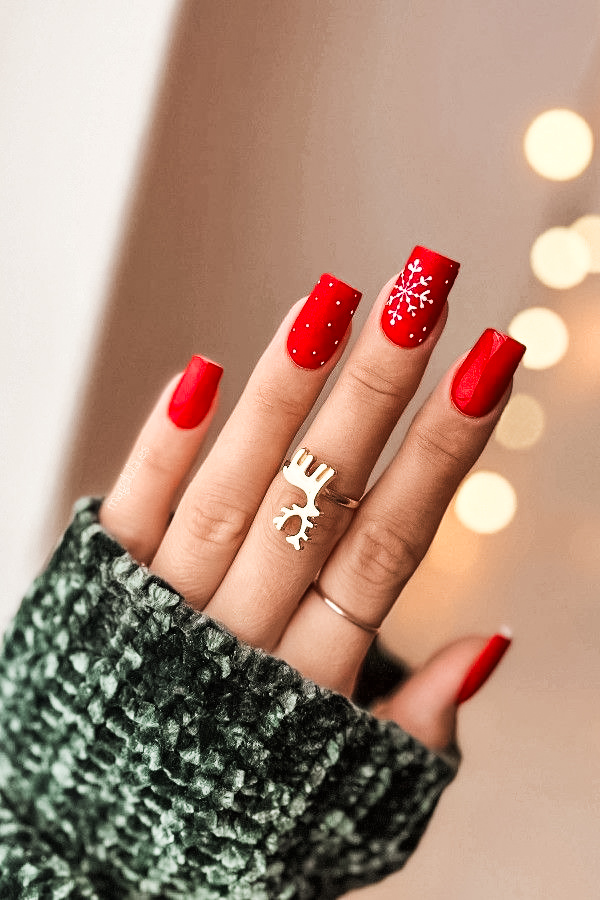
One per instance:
[(268, 576)]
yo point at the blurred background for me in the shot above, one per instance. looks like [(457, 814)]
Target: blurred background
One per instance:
[(174, 175)]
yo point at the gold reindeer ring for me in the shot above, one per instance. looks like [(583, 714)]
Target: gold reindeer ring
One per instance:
[(295, 471)]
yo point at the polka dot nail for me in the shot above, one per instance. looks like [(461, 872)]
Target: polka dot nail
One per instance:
[(322, 323)]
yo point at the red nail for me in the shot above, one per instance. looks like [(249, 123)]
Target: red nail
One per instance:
[(322, 323), (195, 392), (486, 372), (418, 297), (484, 665)]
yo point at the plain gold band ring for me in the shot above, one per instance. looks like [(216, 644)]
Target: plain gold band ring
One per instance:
[(370, 629)]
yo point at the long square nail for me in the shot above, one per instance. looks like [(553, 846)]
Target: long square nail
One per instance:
[(418, 297), (486, 372), (322, 323)]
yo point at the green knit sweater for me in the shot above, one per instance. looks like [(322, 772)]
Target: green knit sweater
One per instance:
[(146, 752)]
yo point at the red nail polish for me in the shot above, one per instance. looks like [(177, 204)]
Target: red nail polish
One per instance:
[(322, 323), (193, 396), (484, 665), (486, 372), (418, 297)]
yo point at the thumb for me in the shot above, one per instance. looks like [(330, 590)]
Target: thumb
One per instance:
[(426, 705)]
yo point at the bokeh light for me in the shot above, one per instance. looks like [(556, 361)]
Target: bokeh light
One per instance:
[(522, 423), (544, 334), (455, 549), (559, 144), (560, 258), (486, 502), (588, 227)]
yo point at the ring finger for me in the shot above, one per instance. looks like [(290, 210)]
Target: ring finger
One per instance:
[(216, 510)]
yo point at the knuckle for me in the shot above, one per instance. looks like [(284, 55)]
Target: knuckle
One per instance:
[(271, 400), (439, 448), (367, 379), (159, 467), (382, 557), (211, 520)]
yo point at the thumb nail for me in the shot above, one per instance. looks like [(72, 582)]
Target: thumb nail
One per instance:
[(484, 665)]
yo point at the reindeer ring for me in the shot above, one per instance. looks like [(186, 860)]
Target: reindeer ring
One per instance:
[(295, 471)]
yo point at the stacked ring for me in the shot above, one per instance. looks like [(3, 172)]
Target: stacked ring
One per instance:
[(370, 629)]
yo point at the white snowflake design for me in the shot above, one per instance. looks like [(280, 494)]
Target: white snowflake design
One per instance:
[(409, 290)]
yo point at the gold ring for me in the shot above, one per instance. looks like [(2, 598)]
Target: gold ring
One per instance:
[(298, 472), (370, 629), (340, 499)]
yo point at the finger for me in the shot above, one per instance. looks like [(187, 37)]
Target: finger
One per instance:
[(217, 508), (350, 431), (137, 509), (426, 705), (396, 522)]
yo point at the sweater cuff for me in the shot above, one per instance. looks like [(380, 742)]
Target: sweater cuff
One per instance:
[(152, 751)]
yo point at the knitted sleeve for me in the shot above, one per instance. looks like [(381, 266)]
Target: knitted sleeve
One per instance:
[(146, 752)]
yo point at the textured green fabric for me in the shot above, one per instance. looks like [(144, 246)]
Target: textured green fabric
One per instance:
[(146, 752)]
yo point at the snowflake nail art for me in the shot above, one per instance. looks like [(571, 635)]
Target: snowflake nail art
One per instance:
[(409, 290), (418, 296)]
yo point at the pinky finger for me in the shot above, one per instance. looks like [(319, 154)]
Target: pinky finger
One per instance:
[(137, 510)]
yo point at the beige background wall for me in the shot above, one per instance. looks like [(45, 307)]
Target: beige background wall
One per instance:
[(289, 139)]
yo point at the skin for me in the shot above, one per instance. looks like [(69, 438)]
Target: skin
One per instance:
[(222, 552)]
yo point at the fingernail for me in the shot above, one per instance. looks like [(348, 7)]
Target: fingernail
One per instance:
[(322, 323), (484, 665), (418, 297), (486, 372), (193, 396)]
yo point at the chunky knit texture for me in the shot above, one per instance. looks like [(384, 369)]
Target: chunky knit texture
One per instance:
[(146, 752)]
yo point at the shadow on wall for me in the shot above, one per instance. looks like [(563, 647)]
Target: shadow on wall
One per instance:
[(191, 274)]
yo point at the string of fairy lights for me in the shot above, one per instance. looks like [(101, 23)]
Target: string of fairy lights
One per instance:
[(558, 145)]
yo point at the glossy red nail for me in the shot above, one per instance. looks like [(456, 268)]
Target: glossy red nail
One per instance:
[(322, 323), (484, 665), (418, 297), (486, 372), (193, 396)]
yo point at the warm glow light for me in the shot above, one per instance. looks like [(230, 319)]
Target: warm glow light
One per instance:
[(521, 424), (544, 334), (560, 258), (559, 144), (486, 502), (588, 227), (454, 548)]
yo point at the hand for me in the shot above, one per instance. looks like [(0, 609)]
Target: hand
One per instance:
[(222, 550)]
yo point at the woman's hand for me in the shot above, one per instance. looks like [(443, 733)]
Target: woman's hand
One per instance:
[(227, 556)]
